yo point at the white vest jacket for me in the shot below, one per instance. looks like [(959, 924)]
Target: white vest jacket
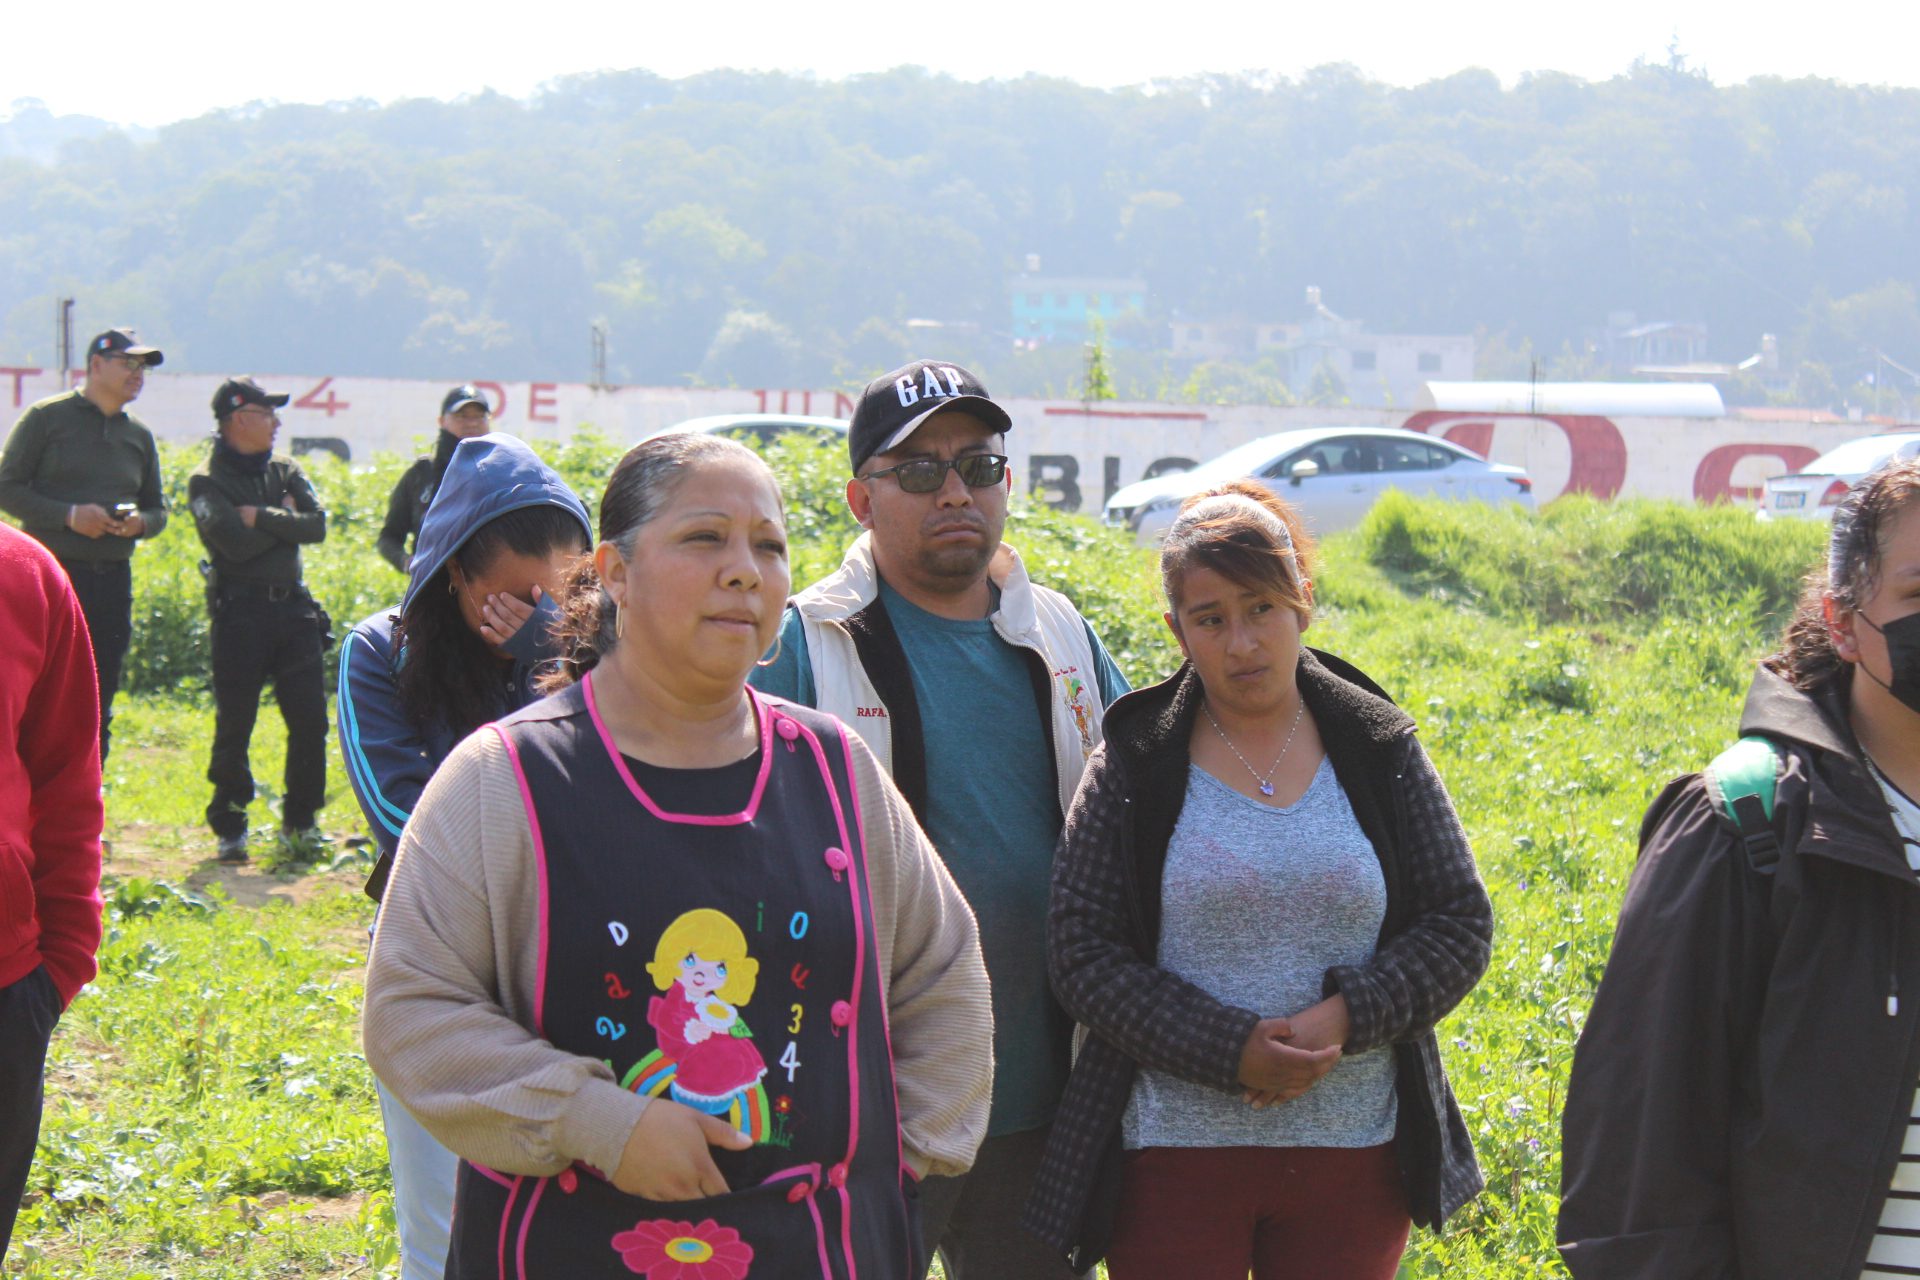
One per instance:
[(854, 654)]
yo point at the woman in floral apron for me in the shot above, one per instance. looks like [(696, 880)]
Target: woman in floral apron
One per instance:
[(667, 962)]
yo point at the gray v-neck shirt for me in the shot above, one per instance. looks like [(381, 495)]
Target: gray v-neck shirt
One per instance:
[(1257, 903)]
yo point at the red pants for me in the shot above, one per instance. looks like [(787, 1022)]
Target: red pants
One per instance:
[(1283, 1213)]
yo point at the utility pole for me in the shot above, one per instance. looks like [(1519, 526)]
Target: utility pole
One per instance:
[(63, 337), (599, 356)]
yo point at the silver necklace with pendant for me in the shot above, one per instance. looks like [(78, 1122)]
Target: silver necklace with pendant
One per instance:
[(1266, 783)]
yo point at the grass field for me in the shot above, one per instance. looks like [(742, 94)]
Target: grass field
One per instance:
[(209, 1114)]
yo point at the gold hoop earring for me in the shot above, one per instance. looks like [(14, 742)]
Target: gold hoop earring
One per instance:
[(779, 638)]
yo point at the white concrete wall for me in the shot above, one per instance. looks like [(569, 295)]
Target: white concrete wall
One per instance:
[(1076, 453)]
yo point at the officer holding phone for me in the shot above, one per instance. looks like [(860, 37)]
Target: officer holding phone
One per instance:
[(82, 475)]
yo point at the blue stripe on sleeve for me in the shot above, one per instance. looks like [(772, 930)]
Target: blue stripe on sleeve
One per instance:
[(365, 782)]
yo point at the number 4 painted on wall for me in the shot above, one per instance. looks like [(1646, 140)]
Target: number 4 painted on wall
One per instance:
[(791, 1059), (332, 404)]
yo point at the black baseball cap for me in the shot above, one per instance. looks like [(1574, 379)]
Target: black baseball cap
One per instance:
[(462, 396), (237, 393), (122, 342), (895, 404)]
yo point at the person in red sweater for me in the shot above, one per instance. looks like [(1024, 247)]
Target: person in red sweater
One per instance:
[(50, 820)]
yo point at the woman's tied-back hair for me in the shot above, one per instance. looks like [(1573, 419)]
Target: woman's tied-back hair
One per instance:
[(713, 936), (1855, 547), (1243, 532), (641, 485)]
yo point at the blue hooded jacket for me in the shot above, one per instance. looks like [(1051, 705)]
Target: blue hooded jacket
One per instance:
[(389, 757)]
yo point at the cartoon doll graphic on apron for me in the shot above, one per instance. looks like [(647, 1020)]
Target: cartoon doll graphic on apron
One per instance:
[(727, 963), (703, 965)]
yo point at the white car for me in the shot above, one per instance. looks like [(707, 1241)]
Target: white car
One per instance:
[(1813, 493), (762, 429), (1331, 475)]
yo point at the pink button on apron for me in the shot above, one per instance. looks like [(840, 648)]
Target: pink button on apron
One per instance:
[(799, 1191), (786, 728), (837, 1176), (837, 859), (842, 1013)]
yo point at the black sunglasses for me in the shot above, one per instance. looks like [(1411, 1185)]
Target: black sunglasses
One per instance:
[(924, 475)]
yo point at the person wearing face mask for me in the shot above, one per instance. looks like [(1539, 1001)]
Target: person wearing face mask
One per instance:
[(254, 510), (1742, 1100), (471, 634)]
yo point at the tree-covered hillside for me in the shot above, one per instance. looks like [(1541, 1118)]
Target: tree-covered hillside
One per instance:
[(774, 230)]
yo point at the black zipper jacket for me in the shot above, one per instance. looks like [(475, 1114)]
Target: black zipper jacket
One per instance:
[(290, 516), (1104, 929), (1741, 1090)]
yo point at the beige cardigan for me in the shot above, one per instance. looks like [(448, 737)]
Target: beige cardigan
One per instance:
[(450, 986)]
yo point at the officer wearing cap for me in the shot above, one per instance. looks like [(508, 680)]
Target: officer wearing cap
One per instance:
[(983, 693), (254, 510), (464, 413), (81, 474)]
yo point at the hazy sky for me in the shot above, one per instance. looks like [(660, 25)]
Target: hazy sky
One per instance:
[(150, 64)]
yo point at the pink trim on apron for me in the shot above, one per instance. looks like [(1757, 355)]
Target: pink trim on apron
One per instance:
[(540, 861), (689, 819)]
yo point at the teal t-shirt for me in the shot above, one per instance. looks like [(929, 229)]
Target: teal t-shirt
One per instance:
[(993, 815)]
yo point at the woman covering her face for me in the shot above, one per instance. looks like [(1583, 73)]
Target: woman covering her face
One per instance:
[(668, 963), (1742, 1098), (1262, 904)]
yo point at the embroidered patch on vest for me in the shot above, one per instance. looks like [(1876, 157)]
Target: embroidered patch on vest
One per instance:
[(706, 1057), (1076, 690), (684, 1251)]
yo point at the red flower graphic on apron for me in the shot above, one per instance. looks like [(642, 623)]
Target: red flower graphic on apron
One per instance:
[(664, 1250)]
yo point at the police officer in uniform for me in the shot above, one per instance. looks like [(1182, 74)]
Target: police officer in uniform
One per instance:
[(254, 509), (464, 414)]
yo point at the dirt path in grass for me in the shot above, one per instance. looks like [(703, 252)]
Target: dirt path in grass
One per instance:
[(185, 857)]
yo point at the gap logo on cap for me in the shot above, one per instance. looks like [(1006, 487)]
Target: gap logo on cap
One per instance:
[(930, 385)]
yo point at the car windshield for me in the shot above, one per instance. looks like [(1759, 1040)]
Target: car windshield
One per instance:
[(1242, 460), (1859, 456)]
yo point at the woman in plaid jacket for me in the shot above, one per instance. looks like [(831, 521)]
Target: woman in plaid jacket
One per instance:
[(1263, 903)]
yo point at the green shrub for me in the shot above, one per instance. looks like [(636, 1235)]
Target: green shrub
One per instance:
[(1587, 562)]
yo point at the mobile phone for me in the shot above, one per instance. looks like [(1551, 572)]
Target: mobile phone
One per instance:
[(121, 510)]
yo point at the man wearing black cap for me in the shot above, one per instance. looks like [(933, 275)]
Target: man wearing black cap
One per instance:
[(82, 475), (254, 509), (983, 693), (464, 413)]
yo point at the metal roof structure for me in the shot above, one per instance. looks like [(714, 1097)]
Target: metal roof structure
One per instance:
[(1608, 399)]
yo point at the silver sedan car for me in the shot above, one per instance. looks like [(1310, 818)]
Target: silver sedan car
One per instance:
[(1813, 492), (1331, 475)]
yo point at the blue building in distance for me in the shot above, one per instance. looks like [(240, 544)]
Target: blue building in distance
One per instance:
[(1062, 308)]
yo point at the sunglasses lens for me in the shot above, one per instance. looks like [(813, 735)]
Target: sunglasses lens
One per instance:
[(922, 476), (981, 469), (925, 475)]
